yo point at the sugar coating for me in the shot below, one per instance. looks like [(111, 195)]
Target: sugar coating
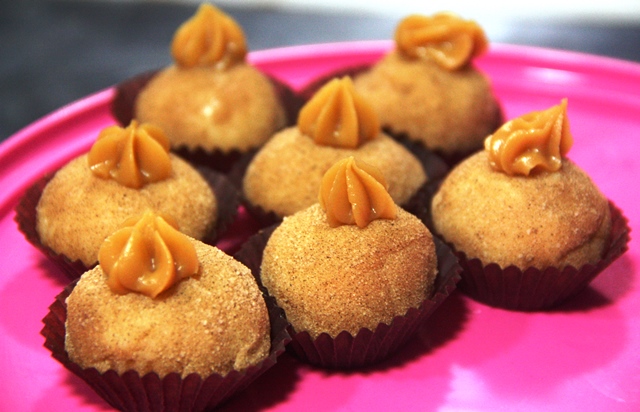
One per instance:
[(450, 111), (547, 219), (203, 107), (346, 278), (212, 323), (285, 175), (78, 210)]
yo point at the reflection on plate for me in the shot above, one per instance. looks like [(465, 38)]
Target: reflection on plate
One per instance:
[(581, 356)]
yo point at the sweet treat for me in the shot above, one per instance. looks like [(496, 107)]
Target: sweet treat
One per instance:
[(352, 261), (163, 302), (352, 270), (522, 204), (165, 321), (127, 171), (285, 175), (428, 90), (211, 99)]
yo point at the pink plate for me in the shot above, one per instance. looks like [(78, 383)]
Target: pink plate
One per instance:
[(582, 356)]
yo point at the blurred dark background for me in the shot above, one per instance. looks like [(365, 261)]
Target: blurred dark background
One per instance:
[(55, 52)]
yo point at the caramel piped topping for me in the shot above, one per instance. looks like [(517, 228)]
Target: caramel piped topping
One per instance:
[(354, 192), (209, 38), (338, 116), (537, 140), (444, 37), (147, 256), (132, 156)]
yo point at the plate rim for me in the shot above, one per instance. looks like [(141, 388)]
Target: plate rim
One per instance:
[(554, 57), (97, 101)]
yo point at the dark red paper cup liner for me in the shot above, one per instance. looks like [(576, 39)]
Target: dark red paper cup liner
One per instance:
[(450, 159), (368, 347), (436, 170), (126, 93), (533, 289), (263, 218), (26, 217), (150, 393), (227, 198)]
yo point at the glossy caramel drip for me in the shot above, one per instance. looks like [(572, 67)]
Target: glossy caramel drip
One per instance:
[(147, 255), (209, 38), (132, 156), (354, 192), (338, 116), (537, 140), (444, 37)]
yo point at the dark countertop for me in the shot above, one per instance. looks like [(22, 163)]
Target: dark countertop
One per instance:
[(55, 52)]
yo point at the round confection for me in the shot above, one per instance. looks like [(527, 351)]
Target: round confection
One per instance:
[(284, 177), (78, 210), (214, 322), (448, 111), (346, 278), (212, 109), (547, 219)]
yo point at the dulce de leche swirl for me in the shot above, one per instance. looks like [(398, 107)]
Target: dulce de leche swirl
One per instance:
[(444, 37), (209, 38), (354, 192), (338, 116), (132, 156), (147, 256), (537, 140)]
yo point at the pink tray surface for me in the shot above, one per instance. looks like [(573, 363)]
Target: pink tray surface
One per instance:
[(584, 355)]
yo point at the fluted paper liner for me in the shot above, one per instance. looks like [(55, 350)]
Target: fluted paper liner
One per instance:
[(227, 198), (532, 289), (126, 93), (150, 393), (368, 347)]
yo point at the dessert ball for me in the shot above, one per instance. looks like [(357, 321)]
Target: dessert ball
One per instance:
[(163, 302), (353, 261), (127, 171), (285, 175), (427, 88), (549, 219), (211, 98), (521, 203), (530, 228)]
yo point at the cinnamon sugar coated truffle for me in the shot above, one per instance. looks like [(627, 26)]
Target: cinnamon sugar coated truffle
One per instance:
[(127, 171), (284, 176), (352, 261), (213, 322), (211, 98), (428, 89), (550, 219), (521, 202), (330, 279), (236, 109)]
